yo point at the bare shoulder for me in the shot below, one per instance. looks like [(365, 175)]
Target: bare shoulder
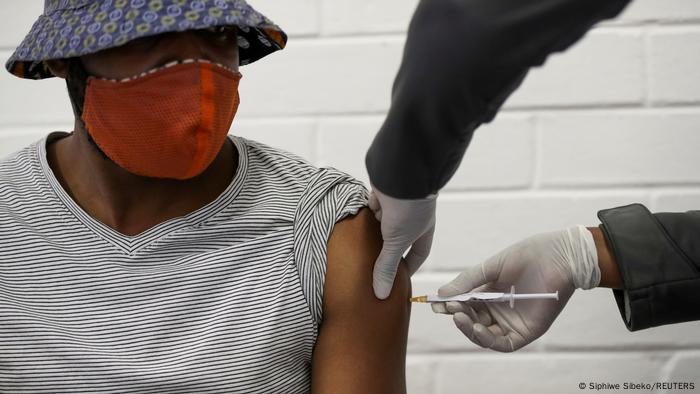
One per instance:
[(353, 248), (361, 346)]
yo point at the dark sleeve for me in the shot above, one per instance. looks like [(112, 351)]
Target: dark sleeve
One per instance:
[(461, 61), (659, 260)]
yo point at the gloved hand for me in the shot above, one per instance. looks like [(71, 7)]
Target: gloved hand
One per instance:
[(404, 224), (559, 261)]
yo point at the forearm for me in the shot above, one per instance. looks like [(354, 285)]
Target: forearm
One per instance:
[(609, 272)]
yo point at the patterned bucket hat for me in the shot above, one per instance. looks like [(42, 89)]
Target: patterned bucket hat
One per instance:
[(70, 28)]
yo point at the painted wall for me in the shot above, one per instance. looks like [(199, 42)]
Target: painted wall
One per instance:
[(614, 120)]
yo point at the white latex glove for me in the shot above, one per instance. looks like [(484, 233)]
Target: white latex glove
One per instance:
[(558, 261), (404, 224)]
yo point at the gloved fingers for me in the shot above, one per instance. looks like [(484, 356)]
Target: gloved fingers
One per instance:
[(496, 329), (503, 343), (466, 325), (454, 307), (463, 307), (498, 338), (373, 201), (375, 207), (482, 313), (439, 307), (385, 271), (484, 317), (483, 336), (478, 333), (420, 251), (467, 280), (509, 342)]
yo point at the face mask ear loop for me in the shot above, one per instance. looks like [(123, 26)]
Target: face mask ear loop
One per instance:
[(77, 83)]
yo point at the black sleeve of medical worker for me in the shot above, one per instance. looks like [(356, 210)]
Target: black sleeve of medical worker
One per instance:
[(658, 256), (462, 59)]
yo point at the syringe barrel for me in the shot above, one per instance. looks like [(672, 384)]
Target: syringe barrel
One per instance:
[(535, 296)]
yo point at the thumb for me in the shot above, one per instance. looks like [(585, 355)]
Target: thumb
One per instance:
[(384, 272), (374, 202), (375, 206), (419, 251), (468, 280)]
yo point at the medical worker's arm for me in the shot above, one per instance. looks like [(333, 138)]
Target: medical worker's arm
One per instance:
[(651, 261), (361, 346), (461, 61)]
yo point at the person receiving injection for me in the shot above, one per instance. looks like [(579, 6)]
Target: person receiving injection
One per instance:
[(462, 60)]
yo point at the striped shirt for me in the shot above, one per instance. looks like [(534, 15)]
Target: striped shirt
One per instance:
[(227, 298)]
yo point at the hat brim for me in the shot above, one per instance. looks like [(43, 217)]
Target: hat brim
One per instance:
[(90, 28)]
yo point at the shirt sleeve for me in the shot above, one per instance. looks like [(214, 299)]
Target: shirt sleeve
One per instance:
[(330, 196), (658, 256)]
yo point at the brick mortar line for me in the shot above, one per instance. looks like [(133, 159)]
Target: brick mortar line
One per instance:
[(577, 193), (604, 27), (400, 35), (679, 109), (537, 167), (646, 67), (318, 5), (509, 112), (440, 355), (548, 351), (577, 187), (515, 110)]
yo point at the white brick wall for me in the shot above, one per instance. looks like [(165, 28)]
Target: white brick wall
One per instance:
[(614, 120), (605, 69), (661, 11), (674, 54)]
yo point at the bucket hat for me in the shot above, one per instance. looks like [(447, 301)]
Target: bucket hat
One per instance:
[(70, 28)]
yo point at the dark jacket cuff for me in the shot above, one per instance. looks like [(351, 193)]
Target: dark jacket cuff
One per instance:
[(658, 278)]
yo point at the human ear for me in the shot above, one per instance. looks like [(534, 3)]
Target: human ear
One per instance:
[(58, 67)]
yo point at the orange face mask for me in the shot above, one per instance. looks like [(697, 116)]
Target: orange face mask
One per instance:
[(169, 123)]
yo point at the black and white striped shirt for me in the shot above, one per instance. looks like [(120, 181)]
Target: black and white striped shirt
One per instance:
[(225, 299)]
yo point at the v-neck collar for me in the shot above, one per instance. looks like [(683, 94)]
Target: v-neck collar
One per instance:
[(131, 244)]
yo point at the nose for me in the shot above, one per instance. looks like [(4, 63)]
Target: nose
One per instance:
[(198, 44), (183, 45)]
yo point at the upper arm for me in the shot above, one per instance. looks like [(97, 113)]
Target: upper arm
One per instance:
[(361, 345)]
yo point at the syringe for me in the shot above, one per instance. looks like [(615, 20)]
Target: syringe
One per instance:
[(489, 297)]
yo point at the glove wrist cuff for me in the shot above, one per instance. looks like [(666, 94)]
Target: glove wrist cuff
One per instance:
[(584, 258)]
